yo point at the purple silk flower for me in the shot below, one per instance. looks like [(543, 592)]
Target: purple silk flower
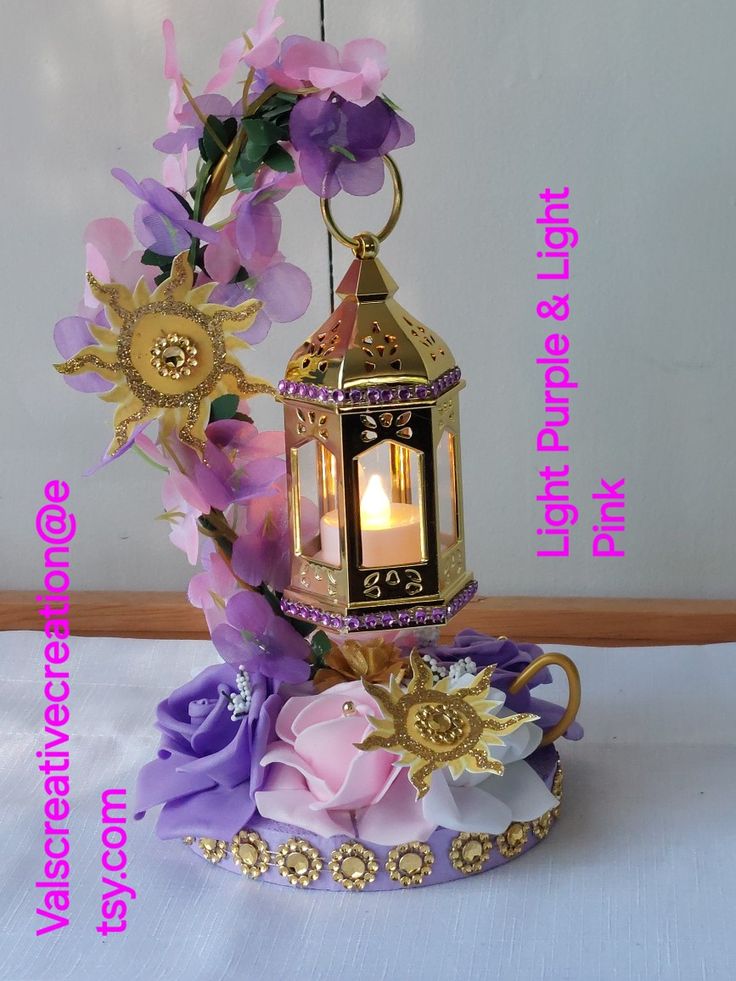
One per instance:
[(162, 223), (261, 640), (341, 145)]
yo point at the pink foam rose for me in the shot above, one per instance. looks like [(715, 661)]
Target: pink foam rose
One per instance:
[(318, 779)]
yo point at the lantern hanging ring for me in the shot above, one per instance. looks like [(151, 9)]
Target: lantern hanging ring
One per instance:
[(365, 244)]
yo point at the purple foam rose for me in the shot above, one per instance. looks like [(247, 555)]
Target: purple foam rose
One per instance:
[(510, 660), (208, 766)]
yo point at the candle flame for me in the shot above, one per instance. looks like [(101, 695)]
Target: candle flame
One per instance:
[(375, 506)]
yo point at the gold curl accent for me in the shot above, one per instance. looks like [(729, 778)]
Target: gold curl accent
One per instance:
[(554, 659)]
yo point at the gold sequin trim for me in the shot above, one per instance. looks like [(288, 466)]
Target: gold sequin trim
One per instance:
[(512, 841), (557, 784), (299, 862), (213, 849), (542, 826), (353, 865), (470, 851), (410, 863), (250, 853)]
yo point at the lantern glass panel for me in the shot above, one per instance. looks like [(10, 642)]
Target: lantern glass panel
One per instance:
[(447, 489), (392, 508), (317, 527)]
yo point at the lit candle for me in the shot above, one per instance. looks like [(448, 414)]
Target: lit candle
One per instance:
[(391, 531)]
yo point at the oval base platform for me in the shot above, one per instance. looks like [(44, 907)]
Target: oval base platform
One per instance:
[(284, 854)]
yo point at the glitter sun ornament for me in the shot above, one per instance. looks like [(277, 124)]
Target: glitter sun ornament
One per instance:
[(169, 354), (431, 726)]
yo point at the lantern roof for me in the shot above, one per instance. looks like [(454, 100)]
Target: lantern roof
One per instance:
[(370, 340)]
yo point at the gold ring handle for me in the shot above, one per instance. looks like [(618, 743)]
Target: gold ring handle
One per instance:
[(573, 684), (365, 244)]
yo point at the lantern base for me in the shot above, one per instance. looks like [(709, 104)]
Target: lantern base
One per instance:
[(377, 618), (288, 855)]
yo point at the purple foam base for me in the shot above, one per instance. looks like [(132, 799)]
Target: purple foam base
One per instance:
[(544, 761)]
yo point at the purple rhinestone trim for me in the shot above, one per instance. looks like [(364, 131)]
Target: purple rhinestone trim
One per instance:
[(372, 396), (390, 618)]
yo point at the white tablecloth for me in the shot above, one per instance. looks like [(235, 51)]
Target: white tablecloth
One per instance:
[(637, 880)]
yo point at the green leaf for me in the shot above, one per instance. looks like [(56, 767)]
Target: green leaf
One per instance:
[(264, 133), (343, 150), (151, 258), (243, 181), (245, 165), (279, 106), (254, 152), (290, 98), (321, 645), (224, 407), (279, 159), (277, 115), (303, 628), (217, 132), (390, 103), (274, 599)]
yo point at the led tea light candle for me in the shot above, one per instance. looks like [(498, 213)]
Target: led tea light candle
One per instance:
[(390, 531)]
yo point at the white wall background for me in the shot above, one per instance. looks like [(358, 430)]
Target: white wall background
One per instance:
[(629, 104)]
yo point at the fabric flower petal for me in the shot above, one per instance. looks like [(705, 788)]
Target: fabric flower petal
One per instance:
[(522, 790), (301, 55), (229, 60), (162, 779), (228, 642), (249, 611), (285, 797), (217, 813), (396, 817), (286, 291), (465, 808)]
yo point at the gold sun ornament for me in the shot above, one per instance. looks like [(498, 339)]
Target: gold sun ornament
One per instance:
[(169, 353), (430, 726)]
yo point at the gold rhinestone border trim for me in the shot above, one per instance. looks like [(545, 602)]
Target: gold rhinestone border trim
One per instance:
[(410, 863), (470, 851), (365, 865), (257, 858), (301, 863)]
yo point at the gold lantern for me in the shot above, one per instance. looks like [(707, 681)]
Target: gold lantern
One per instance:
[(372, 422)]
